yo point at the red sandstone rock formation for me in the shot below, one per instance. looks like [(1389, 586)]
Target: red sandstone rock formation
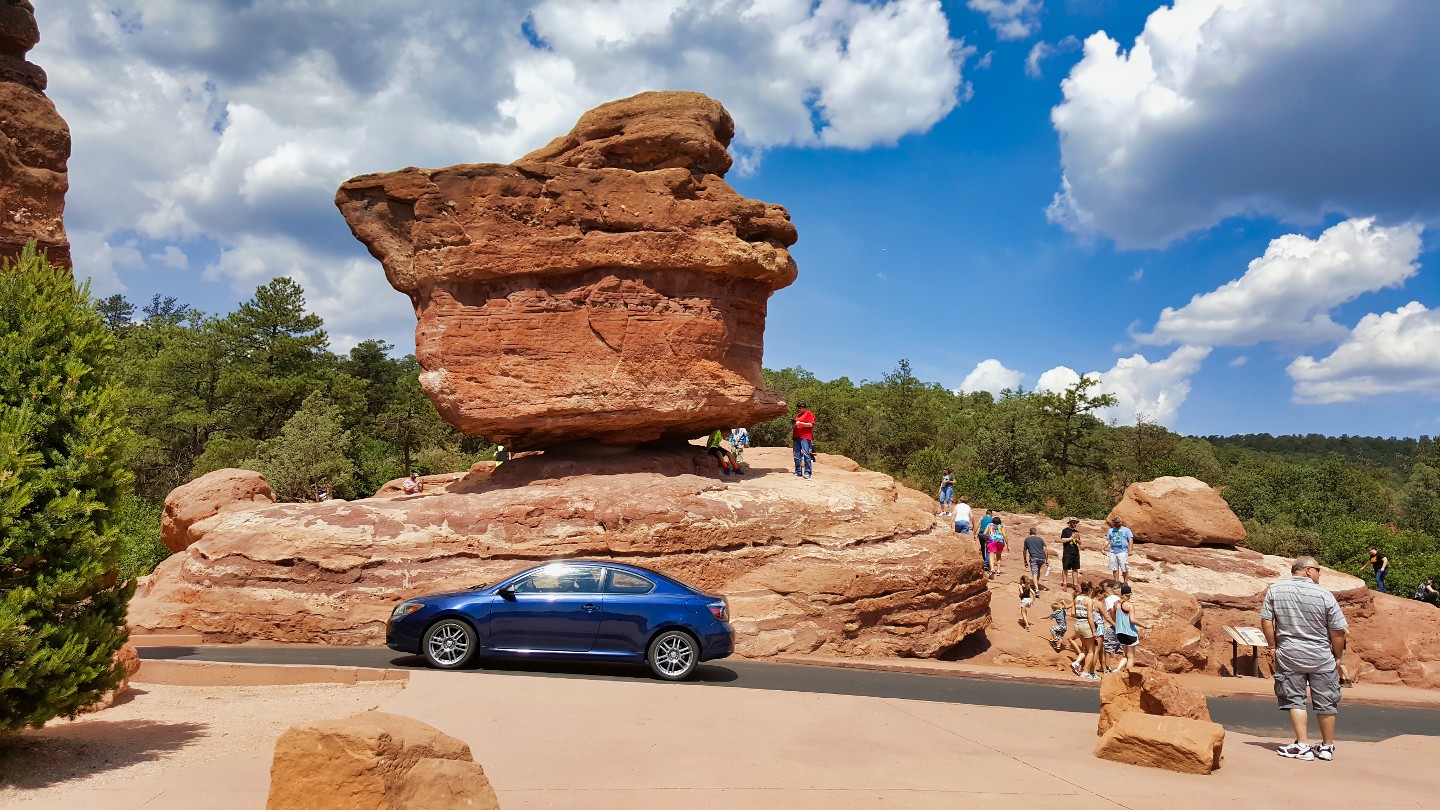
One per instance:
[(610, 286), (375, 760), (1179, 512), (207, 496), (1172, 743), (34, 145), (850, 563), (1145, 690)]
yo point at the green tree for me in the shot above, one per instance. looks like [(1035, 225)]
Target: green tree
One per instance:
[(117, 313), (310, 456), (62, 604), (1070, 415), (1420, 500), (276, 353), (410, 423)]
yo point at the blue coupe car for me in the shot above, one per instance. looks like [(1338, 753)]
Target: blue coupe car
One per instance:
[(569, 610)]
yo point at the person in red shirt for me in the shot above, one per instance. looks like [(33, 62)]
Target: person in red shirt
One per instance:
[(803, 437)]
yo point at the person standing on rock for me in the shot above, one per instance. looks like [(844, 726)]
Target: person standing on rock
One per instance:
[(996, 546), (1034, 552), (803, 439), (947, 490), (1305, 628), (1122, 618), (1118, 538), (1070, 555), (962, 517), (984, 535), (739, 440), (1381, 564)]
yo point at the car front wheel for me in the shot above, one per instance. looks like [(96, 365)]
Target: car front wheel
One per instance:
[(673, 655), (449, 644)]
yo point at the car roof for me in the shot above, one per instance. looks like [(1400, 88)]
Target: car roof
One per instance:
[(638, 569)]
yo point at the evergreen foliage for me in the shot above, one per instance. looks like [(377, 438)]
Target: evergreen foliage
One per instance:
[(62, 612)]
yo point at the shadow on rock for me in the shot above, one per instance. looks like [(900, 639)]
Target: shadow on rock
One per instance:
[(64, 751)]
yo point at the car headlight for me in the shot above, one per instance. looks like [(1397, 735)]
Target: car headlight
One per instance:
[(405, 609)]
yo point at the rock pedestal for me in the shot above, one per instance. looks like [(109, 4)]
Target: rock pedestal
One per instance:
[(609, 287), (34, 145)]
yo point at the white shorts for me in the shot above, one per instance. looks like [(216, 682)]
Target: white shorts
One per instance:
[(1120, 561), (1025, 601)]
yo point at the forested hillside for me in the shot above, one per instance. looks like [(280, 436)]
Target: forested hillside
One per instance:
[(260, 388)]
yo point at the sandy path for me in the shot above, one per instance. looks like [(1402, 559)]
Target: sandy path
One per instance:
[(168, 727)]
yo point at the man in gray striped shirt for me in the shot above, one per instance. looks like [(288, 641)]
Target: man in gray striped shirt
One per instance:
[(1306, 632)]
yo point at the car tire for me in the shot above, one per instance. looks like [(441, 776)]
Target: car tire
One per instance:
[(448, 644), (673, 655)]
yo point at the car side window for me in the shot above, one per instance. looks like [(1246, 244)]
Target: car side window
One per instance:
[(626, 582), (561, 579)]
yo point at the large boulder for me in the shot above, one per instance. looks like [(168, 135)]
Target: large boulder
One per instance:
[(608, 287), (34, 145), (1172, 743), (1148, 691), (375, 761), (1179, 512), (849, 563), (207, 496)]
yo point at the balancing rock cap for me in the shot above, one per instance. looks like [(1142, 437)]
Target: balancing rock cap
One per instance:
[(609, 287)]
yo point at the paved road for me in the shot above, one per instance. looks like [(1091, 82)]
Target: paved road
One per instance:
[(1246, 715)]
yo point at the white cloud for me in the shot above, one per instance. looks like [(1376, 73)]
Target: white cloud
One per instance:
[(1155, 390), (1239, 361), (1243, 107), (990, 375), (1041, 51), (229, 124), (1288, 293), (1057, 379), (1011, 19), (172, 257), (1138, 274), (1386, 353), (983, 63)]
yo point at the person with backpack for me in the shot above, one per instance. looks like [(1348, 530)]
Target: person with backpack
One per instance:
[(1118, 539)]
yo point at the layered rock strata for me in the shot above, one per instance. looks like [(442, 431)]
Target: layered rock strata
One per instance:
[(609, 287), (850, 563), (34, 145)]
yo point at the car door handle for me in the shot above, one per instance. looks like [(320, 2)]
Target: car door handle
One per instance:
[(590, 607)]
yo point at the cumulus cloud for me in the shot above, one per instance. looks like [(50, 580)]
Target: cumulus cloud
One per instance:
[(990, 375), (1155, 390), (1287, 294), (1243, 107), (1041, 51), (1386, 353), (231, 124), (1011, 19)]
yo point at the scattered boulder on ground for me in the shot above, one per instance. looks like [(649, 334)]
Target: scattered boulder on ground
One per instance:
[(608, 287), (34, 145), (1145, 690), (374, 761), (1179, 512), (207, 496), (1172, 743)]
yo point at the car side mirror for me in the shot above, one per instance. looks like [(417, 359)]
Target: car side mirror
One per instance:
[(508, 594)]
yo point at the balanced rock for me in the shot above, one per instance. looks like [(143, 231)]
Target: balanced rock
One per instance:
[(609, 286), (1179, 512), (207, 496), (34, 145), (1173, 743), (1148, 691), (374, 761), (855, 566)]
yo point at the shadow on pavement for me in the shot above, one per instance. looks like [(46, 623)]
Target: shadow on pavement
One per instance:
[(705, 673), (59, 752)]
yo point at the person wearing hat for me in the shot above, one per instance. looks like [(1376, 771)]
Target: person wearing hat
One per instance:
[(1118, 539), (1070, 555)]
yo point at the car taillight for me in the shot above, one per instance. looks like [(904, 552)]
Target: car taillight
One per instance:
[(720, 610)]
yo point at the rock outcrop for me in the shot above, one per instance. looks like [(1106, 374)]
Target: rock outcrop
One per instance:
[(1179, 512), (849, 563), (1148, 691), (608, 287), (375, 761), (34, 145), (207, 496), (1172, 743)]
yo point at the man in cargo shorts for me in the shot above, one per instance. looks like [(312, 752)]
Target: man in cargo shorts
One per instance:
[(1305, 629)]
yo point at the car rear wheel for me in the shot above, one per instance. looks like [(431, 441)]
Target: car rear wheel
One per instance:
[(449, 644), (673, 655)]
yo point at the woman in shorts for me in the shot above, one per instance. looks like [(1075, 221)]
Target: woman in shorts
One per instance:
[(1084, 624)]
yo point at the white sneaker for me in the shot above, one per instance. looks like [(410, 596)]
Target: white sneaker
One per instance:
[(1297, 750), (1325, 753)]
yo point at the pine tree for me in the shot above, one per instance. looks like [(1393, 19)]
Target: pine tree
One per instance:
[(62, 610)]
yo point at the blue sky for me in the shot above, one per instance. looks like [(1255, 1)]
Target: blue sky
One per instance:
[(1225, 209)]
